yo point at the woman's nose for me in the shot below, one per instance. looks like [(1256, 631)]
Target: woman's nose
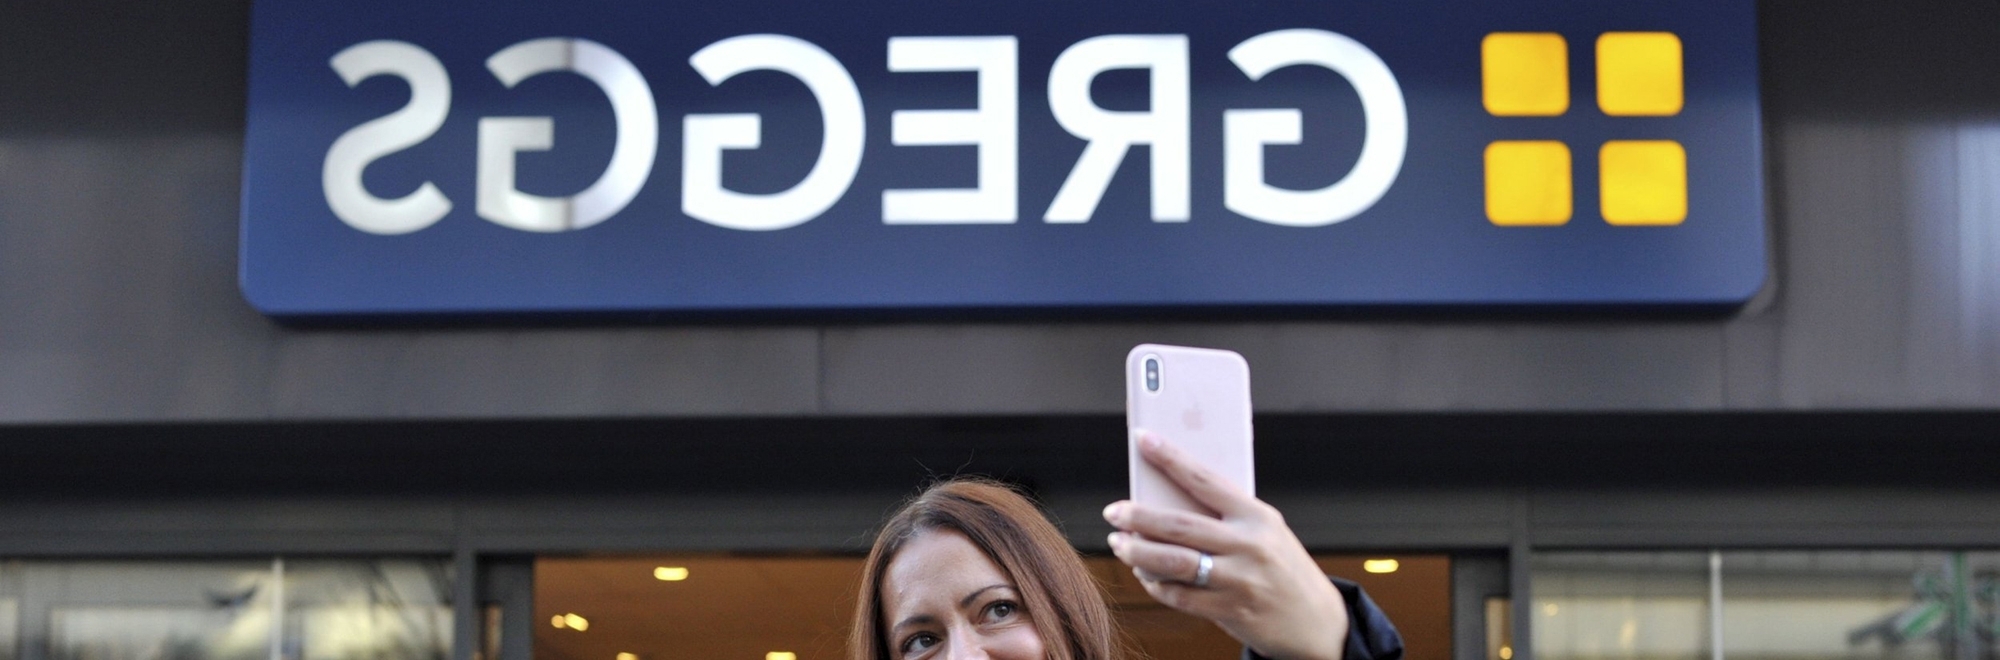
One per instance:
[(965, 645)]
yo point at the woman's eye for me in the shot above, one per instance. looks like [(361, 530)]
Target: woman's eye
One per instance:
[(917, 643), (1002, 609)]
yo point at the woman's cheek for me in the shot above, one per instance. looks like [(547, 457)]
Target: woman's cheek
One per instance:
[(1020, 643)]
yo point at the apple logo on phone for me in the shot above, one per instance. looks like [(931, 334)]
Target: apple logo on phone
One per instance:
[(1191, 418)]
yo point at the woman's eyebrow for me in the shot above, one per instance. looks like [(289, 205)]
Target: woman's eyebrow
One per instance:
[(967, 600), (962, 603), (915, 620)]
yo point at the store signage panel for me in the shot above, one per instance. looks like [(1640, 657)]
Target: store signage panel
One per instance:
[(783, 155)]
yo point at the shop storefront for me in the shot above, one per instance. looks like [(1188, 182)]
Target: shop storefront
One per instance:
[(223, 434)]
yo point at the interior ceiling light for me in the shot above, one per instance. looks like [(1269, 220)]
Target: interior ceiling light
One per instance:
[(670, 573), (574, 622), (1381, 565), (781, 655)]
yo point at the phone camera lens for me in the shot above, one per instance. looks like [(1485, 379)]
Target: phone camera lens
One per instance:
[(1152, 374)]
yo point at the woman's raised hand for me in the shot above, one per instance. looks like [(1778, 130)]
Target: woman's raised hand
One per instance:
[(1262, 588)]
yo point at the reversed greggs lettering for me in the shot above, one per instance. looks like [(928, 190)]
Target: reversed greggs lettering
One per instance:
[(991, 127)]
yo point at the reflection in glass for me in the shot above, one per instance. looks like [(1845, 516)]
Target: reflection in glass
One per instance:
[(119, 633), (1774, 605), (9, 614), (149, 611), (10, 610), (226, 610), (1852, 605), (1622, 606), (368, 610), (1499, 629)]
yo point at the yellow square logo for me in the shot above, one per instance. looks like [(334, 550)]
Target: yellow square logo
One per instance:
[(1639, 74), (1644, 182), (1528, 183), (1525, 74)]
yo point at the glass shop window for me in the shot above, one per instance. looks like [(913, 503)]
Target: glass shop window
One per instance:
[(10, 608), (1621, 606), (1767, 605), (255, 609), (1857, 605)]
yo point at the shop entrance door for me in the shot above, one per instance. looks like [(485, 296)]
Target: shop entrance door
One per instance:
[(797, 607)]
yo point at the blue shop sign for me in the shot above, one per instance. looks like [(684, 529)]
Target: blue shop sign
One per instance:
[(617, 156)]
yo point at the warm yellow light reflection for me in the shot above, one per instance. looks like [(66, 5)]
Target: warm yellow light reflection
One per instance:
[(628, 656), (781, 655), (1381, 565), (574, 622), (559, 622), (670, 573), (1550, 609), (1506, 653)]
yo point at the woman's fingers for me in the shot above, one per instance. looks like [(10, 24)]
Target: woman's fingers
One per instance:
[(1192, 600), (1159, 561), (1205, 486), (1182, 528)]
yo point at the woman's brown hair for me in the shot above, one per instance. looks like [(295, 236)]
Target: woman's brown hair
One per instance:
[(1059, 595)]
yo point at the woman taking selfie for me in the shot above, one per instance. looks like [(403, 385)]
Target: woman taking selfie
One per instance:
[(971, 570)]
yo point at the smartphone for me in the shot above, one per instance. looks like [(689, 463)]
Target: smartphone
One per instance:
[(1197, 399)]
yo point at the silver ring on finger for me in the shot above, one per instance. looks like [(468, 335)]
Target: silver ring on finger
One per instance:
[(1204, 567)]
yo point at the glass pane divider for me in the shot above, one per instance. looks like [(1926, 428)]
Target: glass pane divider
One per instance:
[(1715, 603)]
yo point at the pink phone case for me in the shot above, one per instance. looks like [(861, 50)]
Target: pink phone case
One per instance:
[(1197, 400)]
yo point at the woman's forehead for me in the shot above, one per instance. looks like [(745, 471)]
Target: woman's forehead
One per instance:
[(937, 567)]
